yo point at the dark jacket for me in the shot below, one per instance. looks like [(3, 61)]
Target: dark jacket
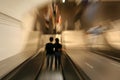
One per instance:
[(49, 48), (58, 47)]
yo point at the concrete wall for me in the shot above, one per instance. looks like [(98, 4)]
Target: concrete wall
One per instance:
[(17, 43), (105, 14), (100, 12), (73, 39), (11, 36), (17, 8)]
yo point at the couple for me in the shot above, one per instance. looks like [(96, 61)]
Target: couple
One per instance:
[(53, 50)]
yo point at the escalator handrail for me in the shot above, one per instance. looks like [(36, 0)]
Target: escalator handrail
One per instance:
[(16, 70), (81, 74)]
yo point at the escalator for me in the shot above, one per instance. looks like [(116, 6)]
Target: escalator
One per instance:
[(50, 73), (35, 69), (28, 69)]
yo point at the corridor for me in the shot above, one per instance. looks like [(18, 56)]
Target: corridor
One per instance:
[(89, 31)]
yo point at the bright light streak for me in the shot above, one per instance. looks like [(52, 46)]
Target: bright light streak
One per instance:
[(63, 1)]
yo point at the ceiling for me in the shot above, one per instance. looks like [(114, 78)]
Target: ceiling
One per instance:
[(17, 8)]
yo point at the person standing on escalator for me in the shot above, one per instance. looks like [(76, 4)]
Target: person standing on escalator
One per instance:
[(58, 51), (49, 53)]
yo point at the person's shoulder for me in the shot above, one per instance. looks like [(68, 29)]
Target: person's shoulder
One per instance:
[(50, 44), (61, 45), (55, 43), (47, 43)]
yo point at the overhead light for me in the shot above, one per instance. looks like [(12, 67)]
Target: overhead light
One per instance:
[(63, 1)]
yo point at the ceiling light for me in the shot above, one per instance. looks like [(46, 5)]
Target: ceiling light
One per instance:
[(63, 1)]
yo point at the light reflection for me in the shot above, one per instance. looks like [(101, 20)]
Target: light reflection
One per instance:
[(104, 34), (63, 1)]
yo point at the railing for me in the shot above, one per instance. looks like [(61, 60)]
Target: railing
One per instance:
[(28, 70), (70, 70)]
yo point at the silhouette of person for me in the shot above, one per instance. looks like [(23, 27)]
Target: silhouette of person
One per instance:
[(49, 52), (58, 50)]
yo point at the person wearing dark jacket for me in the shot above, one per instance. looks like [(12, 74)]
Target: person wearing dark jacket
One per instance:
[(58, 50), (49, 52)]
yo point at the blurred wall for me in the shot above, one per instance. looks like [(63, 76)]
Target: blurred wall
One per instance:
[(17, 38), (105, 13), (17, 42), (73, 39), (98, 12), (11, 36)]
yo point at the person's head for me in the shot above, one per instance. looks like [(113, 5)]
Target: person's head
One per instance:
[(51, 39), (57, 40)]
